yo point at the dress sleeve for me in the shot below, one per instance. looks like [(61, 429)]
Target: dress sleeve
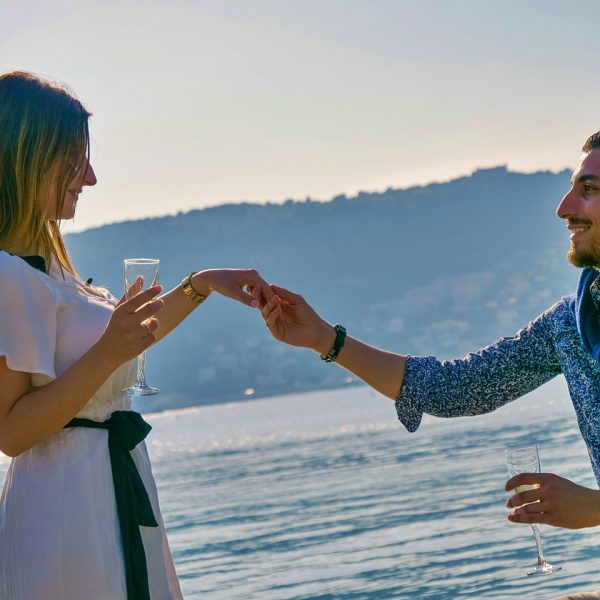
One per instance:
[(28, 318), (481, 382)]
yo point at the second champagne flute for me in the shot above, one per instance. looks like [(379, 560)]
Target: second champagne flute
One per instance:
[(526, 459), (148, 270)]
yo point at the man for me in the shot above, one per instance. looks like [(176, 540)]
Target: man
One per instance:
[(564, 339)]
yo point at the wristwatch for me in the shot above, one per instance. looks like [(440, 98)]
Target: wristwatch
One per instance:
[(189, 291)]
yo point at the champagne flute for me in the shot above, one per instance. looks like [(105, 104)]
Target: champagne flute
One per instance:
[(147, 269), (526, 459)]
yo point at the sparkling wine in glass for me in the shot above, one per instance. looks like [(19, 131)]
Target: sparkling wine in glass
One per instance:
[(147, 269), (526, 459)]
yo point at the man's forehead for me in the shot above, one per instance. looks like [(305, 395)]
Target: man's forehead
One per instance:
[(588, 167)]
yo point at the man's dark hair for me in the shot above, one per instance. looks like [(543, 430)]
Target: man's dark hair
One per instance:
[(592, 142)]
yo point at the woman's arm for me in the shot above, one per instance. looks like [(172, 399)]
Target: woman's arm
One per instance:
[(30, 416), (228, 282)]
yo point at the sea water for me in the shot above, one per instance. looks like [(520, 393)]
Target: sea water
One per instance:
[(325, 495)]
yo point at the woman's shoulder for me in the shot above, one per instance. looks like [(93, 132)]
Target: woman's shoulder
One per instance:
[(11, 267), (17, 275)]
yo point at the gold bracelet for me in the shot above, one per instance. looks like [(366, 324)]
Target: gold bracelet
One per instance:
[(189, 291)]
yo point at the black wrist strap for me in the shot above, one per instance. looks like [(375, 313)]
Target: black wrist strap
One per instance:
[(340, 338)]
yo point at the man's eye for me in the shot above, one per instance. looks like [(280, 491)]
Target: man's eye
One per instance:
[(588, 188)]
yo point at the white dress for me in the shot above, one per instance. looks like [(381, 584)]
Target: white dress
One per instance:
[(59, 533)]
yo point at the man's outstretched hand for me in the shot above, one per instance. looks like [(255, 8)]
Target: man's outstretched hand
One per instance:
[(290, 319)]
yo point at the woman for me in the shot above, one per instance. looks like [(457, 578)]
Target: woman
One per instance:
[(79, 519)]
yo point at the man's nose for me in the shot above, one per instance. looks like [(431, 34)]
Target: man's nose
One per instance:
[(568, 206)]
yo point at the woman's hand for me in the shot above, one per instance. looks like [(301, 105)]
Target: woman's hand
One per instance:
[(244, 285), (557, 501), (292, 320), (132, 324)]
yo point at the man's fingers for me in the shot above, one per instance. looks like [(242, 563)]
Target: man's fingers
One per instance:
[(524, 498), (265, 291), (533, 508), (273, 317), (270, 307), (521, 517), (524, 479), (287, 295)]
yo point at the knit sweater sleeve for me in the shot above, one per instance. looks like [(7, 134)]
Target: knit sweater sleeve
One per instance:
[(483, 381)]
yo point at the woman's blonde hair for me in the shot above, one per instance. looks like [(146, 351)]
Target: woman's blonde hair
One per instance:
[(44, 143)]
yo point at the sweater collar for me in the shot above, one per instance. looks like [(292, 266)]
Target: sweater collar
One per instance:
[(587, 311)]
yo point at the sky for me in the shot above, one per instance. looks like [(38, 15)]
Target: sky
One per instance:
[(205, 102)]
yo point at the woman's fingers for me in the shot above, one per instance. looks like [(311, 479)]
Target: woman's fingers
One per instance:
[(135, 287), (133, 304), (149, 310), (148, 328), (257, 291), (261, 292)]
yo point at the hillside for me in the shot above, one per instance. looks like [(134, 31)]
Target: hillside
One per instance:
[(440, 269)]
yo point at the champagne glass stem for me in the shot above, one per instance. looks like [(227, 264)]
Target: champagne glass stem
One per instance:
[(538, 543), (140, 380)]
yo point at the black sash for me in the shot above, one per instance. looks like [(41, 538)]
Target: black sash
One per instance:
[(126, 429)]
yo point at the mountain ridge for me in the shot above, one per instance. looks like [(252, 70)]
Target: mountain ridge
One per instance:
[(436, 269)]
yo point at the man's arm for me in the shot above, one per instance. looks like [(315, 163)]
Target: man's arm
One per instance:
[(475, 384)]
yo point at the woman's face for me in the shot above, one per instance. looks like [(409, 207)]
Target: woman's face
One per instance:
[(83, 177)]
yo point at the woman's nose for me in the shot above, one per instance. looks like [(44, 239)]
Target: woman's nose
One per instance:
[(90, 176)]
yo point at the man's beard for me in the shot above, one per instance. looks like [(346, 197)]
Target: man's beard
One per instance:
[(582, 259)]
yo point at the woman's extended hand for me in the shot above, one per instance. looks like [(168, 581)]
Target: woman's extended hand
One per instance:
[(132, 324), (244, 285), (557, 501), (292, 320)]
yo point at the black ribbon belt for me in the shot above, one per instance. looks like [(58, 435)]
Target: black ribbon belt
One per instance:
[(126, 429)]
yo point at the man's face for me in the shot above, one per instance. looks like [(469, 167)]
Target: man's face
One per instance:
[(580, 209)]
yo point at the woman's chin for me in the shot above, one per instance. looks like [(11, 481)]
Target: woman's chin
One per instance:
[(64, 216)]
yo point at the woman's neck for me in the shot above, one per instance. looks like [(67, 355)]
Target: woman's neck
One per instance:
[(21, 251)]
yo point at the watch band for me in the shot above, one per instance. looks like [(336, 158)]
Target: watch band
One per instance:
[(340, 338), (189, 291)]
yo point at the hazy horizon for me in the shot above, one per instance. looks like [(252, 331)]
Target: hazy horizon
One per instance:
[(70, 227), (211, 102)]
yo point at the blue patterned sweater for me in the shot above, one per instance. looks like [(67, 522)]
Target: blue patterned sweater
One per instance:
[(482, 382)]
